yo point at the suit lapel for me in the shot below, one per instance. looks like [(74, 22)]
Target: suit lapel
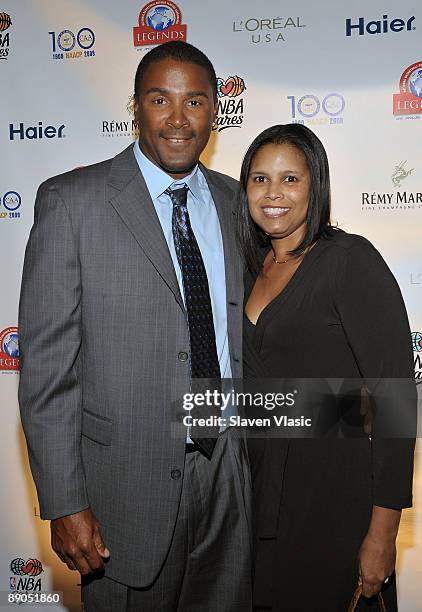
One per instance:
[(131, 199)]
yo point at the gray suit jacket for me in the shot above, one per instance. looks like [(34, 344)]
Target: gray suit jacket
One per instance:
[(101, 325)]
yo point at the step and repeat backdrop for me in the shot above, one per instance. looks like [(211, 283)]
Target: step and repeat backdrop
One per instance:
[(352, 72)]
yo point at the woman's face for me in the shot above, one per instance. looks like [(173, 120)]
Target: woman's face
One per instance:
[(278, 190)]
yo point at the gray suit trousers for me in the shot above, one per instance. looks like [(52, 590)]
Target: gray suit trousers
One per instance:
[(208, 567)]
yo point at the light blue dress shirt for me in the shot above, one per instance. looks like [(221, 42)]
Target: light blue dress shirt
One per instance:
[(206, 227)]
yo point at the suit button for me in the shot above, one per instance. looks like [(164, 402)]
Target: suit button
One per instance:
[(175, 474), (182, 356)]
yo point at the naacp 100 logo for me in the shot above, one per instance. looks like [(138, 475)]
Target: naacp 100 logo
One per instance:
[(71, 45), (310, 109), (385, 25), (10, 202)]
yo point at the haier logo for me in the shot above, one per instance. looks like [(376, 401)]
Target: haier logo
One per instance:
[(382, 26), (35, 132)]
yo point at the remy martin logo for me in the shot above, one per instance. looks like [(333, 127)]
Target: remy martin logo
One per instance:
[(399, 200), (126, 128), (400, 173), (130, 106)]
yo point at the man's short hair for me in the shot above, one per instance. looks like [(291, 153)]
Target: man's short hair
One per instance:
[(181, 52)]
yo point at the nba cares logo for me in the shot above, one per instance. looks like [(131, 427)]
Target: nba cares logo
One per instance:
[(159, 22), (5, 23), (229, 103), (25, 579)]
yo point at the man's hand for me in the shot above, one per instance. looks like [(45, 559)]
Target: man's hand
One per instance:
[(77, 540)]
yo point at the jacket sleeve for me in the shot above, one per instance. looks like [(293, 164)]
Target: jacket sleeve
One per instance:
[(374, 319), (50, 340)]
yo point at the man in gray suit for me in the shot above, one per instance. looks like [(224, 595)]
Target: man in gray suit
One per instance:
[(132, 288)]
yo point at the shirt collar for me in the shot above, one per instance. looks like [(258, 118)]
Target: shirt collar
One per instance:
[(158, 181)]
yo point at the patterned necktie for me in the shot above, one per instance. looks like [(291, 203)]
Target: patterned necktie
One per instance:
[(203, 349)]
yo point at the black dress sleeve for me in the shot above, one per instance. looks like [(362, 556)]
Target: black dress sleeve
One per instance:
[(374, 319)]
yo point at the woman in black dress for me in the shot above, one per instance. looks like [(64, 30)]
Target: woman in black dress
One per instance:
[(320, 303)]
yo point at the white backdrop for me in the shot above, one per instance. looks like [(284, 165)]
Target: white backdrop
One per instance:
[(66, 69)]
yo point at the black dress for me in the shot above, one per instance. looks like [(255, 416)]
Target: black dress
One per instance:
[(340, 315)]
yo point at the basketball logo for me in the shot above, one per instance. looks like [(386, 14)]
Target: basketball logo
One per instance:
[(232, 87), (20, 567), (32, 567), (5, 22)]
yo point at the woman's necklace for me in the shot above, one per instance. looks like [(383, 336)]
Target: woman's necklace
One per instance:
[(283, 261), (275, 260)]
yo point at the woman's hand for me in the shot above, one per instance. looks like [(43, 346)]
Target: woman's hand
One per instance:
[(377, 559), (377, 555)]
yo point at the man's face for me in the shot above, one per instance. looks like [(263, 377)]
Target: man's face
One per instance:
[(175, 110)]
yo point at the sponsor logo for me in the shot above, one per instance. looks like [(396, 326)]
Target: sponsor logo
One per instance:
[(35, 132), (9, 350), (10, 202), (400, 174), (417, 352), (417, 342), (408, 103), (5, 23), (314, 110), (268, 30), (68, 45), (229, 104), (380, 26), (25, 575), (20, 567), (398, 200), (127, 127), (159, 22)]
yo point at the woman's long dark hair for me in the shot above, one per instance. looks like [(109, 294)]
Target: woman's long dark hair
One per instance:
[(318, 222)]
